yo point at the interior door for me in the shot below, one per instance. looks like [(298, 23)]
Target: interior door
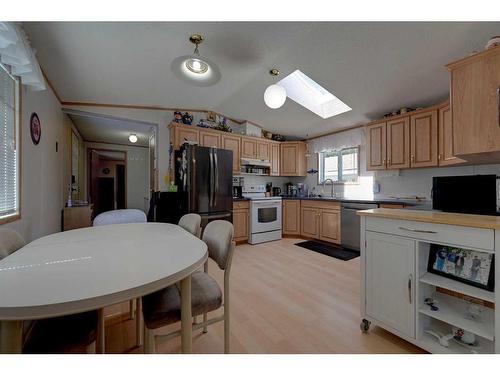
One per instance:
[(94, 180), (390, 281)]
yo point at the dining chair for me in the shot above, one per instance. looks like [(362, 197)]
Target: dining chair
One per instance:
[(124, 216), (191, 223), (164, 306), (53, 335)]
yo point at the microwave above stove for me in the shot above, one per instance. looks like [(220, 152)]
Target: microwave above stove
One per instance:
[(475, 194)]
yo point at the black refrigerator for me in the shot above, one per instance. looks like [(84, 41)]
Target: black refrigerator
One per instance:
[(205, 176)]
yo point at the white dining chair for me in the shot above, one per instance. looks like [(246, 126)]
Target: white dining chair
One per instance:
[(164, 307), (53, 335), (191, 223), (123, 217)]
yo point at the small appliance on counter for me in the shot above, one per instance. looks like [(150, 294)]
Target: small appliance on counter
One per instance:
[(290, 190), (237, 191), (276, 191)]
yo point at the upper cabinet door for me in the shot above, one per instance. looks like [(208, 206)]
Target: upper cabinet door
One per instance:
[(248, 148), (275, 159), (182, 134), (376, 146), (446, 154), (398, 143), (293, 159), (424, 139), (263, 150), (209, 139), (233, 143), (475, 105)]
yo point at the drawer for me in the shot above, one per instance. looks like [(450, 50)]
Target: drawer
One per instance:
[(241, 204), (467, 237), (320, 204)]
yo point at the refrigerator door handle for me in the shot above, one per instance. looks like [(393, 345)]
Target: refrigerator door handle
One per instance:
[(211, 186), (216, 179)]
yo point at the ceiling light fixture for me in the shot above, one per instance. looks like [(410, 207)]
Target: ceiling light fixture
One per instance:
[(275, 95), (132, 138), (196, 69)]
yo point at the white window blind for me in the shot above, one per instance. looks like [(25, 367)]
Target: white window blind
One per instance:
[(9, 158)]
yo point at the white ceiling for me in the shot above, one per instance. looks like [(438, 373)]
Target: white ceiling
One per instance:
[(99, 128), (373, 67)]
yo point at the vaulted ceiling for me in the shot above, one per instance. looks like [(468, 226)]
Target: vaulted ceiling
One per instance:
[(372, 67)]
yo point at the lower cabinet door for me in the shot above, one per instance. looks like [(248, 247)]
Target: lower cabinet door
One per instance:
[(390, 281), (330, 226), (240, 222), (309, 222)]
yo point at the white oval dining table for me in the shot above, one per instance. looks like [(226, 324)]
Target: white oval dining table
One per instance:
[(91, 268)]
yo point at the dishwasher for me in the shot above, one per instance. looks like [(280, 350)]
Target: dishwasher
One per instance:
[(350, 224)]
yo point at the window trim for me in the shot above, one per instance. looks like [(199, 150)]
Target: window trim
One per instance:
[(18, 130), (320, 182)]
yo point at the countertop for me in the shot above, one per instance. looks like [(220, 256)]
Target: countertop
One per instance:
[(240, 199), (408, 202), (436, 217)]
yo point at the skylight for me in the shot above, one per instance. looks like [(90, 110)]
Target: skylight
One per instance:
[(309, 94)]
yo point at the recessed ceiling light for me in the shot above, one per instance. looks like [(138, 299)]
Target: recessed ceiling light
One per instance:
[(196, 69), (132, 138), (311, 95)]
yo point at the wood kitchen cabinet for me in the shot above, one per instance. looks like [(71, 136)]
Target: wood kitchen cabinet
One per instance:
[(376, 146), (291, 217), (248, 148), (321, 220), (241, 220), (275, 159), (180, 133), (398, 143), (446, 154), (475, 106), (233, 143), (293, 159), (424, 139), (210, 139), (263, 150)]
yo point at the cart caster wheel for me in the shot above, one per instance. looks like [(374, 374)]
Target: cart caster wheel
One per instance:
[(365, 325)]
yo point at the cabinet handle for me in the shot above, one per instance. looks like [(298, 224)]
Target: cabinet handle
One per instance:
[(439, 157), (417, 230), (410, 285), (389, 161), (383, 162)]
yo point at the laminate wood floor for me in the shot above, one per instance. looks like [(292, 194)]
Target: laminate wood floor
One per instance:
[(285, 299)]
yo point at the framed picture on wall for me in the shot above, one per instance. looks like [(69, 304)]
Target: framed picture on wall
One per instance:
[(35, 128), (471, 267)]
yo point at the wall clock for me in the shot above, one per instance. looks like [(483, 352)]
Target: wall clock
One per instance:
[(35, 128)]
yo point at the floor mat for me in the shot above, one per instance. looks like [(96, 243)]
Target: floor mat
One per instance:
[(330, 250)]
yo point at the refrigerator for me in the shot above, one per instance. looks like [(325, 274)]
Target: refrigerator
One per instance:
[(205, 177)]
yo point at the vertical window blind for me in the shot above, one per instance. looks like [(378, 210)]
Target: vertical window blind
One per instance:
[(9, 156)]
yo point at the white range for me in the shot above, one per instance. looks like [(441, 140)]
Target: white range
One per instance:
[(265, 214)]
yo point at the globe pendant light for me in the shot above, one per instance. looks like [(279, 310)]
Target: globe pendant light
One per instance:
[(275, 95), (132, 138), (196, 69)]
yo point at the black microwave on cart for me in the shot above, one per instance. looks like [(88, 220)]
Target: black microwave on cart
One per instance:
[(474, 194)]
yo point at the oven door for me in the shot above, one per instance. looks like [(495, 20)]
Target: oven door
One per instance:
[(266, 216)]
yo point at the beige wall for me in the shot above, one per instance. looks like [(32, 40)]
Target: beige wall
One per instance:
[(42, 168)]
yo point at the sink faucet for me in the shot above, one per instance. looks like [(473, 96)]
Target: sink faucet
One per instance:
[(331, 182)]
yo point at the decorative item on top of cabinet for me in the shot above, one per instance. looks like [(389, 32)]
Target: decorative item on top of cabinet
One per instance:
[(376, 146), (475, 106), (446, 154), (424, 139), (398, 143), (293, 159), (241, 220), (291, 217)]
